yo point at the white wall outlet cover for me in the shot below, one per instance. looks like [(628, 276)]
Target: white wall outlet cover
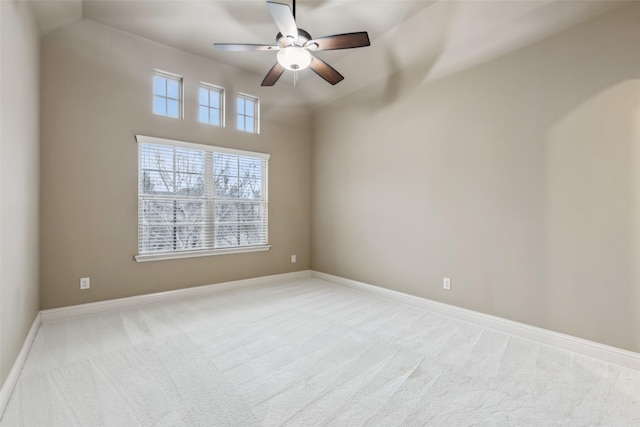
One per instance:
[(446, 283), (85, 283), (293, 258)]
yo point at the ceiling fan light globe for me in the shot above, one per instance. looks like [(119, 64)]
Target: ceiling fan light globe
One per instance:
[(294, 58)]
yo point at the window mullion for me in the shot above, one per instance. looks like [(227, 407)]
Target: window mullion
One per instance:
[(210, 202), (175, 225), (238, 204), (265, 198)]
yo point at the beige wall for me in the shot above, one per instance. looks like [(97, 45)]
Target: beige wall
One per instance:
[(518, 179), (96, 96), (19, 141)]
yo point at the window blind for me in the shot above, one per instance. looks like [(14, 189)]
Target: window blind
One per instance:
[(195, 197)]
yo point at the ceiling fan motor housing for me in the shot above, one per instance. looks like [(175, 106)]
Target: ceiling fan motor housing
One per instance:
[(284, 41)]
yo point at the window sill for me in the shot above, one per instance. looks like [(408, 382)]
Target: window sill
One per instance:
[(195, 254)]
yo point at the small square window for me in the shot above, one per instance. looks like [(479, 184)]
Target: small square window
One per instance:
[(167, 94), (211, 104), (248, 108)]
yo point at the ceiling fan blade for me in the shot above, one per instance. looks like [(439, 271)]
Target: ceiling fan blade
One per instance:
[(273, 75), (340, 41), (325, 70), (243, 47), (282, 16)]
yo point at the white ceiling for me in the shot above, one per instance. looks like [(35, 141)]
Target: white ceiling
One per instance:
[(446, 35)]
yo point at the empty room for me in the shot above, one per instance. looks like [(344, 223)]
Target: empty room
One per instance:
[(319, 212)]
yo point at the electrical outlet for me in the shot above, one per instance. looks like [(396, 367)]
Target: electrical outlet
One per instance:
[(293, 259), (446, 283), (85, 283)]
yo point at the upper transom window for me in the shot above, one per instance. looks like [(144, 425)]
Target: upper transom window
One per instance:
[(248, 108), (167, 94), (211, 104)]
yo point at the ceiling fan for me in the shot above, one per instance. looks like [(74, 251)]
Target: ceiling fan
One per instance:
[(294, 46)]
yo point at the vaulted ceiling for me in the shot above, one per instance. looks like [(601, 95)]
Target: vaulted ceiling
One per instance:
[(446, 35)]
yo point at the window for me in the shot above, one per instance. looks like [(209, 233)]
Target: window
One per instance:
[(211, 102), (196, 200), (167, 94), (248, 113)]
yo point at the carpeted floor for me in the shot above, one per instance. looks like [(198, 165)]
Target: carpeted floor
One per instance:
[(303, 353)]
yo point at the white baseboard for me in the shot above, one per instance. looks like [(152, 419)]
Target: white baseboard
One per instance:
[(122, 303), (603, 352), (578, 345), (12, 378)]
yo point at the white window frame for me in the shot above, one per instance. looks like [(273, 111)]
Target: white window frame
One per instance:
[(212, 88), (143, 257), (256, 117), (169, 76)]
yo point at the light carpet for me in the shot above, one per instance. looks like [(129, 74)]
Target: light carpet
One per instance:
[(304, 353)]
